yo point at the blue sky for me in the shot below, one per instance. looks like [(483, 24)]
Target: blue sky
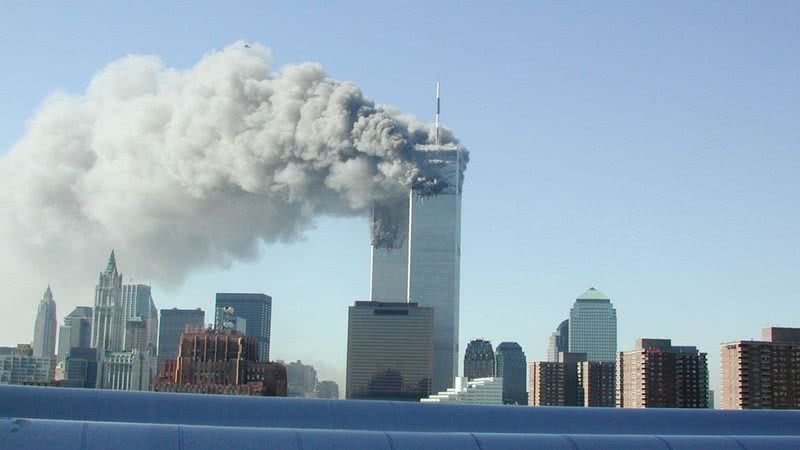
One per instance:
[(649, 150)]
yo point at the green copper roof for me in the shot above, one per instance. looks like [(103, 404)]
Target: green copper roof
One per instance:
[(112, 263), (593, 294)]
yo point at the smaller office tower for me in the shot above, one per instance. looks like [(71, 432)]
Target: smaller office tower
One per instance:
[(593, 327), (597, 383), (512, 366), (80, 368), (483, 391), (174, 322), (558, 341), (660, 375), (255, 309), (389, 351), (221, 362), (547, 383), (20, 366), (301, 379), (328, 389), (762, 374), (44, 330), (125, 371), (479, 359), (76, 331)]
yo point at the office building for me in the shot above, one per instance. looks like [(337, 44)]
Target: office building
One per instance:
[(659, 375), (125, 371), (214, 361), (76, 331), (597, 383), (416, 249), (547, 383), (256, 309), (478, 359), (389, 351), (762, 374), (558, 341), (483, 391), (141, 317), (21, 366), (108, 318), (593, 327), (301, 379), (572, 388), (174, 322), (81, 368), (512, 367), (328, 389), (44, 330)]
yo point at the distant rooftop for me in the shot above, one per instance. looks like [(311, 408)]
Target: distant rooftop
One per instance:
[(593, 294)]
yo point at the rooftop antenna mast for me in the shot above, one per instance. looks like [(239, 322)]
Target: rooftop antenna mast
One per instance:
[(436, 139)]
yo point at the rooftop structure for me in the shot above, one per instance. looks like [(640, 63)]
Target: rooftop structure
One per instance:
[(486, 391)]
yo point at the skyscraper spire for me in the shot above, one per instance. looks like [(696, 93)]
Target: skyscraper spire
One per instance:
[(436, 139), (112, 263)]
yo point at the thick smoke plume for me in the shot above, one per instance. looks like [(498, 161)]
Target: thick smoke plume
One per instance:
[(185, 168)]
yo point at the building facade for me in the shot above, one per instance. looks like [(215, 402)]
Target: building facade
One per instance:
[(762, 374), (221, 362), (22, 367), (45, 328), (416, 249), (76, 331), (478, 359), (593, 327), (597, 383), (389, 351), (81, 368), (328, 389), (125, 371), (659, 375), (482, 391), (108, 318), (547, 383), (174, 322), (301, 379), (558, 341), (256, 309), (512, 366)]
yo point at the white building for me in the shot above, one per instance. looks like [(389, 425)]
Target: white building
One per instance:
[(44, 330), (125, 371), (21, 366), (486, 391)]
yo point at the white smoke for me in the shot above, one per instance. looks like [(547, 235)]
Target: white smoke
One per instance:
[(185, 168)]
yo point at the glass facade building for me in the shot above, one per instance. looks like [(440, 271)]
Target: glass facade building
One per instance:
[(256, 309), (416, 250), (173, 323), (512, 366), (593, 327), (389, 351), (479, 359), (76, 331), (558, 342)]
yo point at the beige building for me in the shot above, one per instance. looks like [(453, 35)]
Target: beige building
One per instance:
[(762, 374)]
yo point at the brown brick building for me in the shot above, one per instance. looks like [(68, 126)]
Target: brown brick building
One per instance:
[(660, 375), (762, 374), (572, 381), (220, 362), (597, 383), (547, 383)]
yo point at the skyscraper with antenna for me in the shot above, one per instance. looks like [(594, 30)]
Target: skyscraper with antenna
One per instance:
[(423, 262)]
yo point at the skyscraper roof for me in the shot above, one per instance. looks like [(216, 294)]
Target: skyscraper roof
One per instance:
[(112, 263), (48, 294), (593, 294)]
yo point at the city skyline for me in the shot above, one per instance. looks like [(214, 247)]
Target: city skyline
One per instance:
[(658, 169)]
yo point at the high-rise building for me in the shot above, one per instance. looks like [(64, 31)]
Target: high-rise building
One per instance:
[(44, 330), (593, 327), (389, 351), (762, 374), (22, 367), (660, 375), (256, 309), (597, 383), (141, 316), (512, 366), (80, 368), (125, 371), (478, 359), (572, 387), (328, 389), (108, 327), (547, 385), (301, 379), (216, 361), (416, 249), (172, 325), (484, 391), (76, 331), (558, 341)]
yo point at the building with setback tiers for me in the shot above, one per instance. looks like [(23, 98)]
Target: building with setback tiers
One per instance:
[(660, 375), (484, 391), (512, 366), (108, 318), (44, 330), (762, 374), (389, 351), (478, 359)]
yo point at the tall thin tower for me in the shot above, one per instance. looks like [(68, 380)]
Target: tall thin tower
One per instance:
[(421, 260), (108, 325), (44, 331)]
